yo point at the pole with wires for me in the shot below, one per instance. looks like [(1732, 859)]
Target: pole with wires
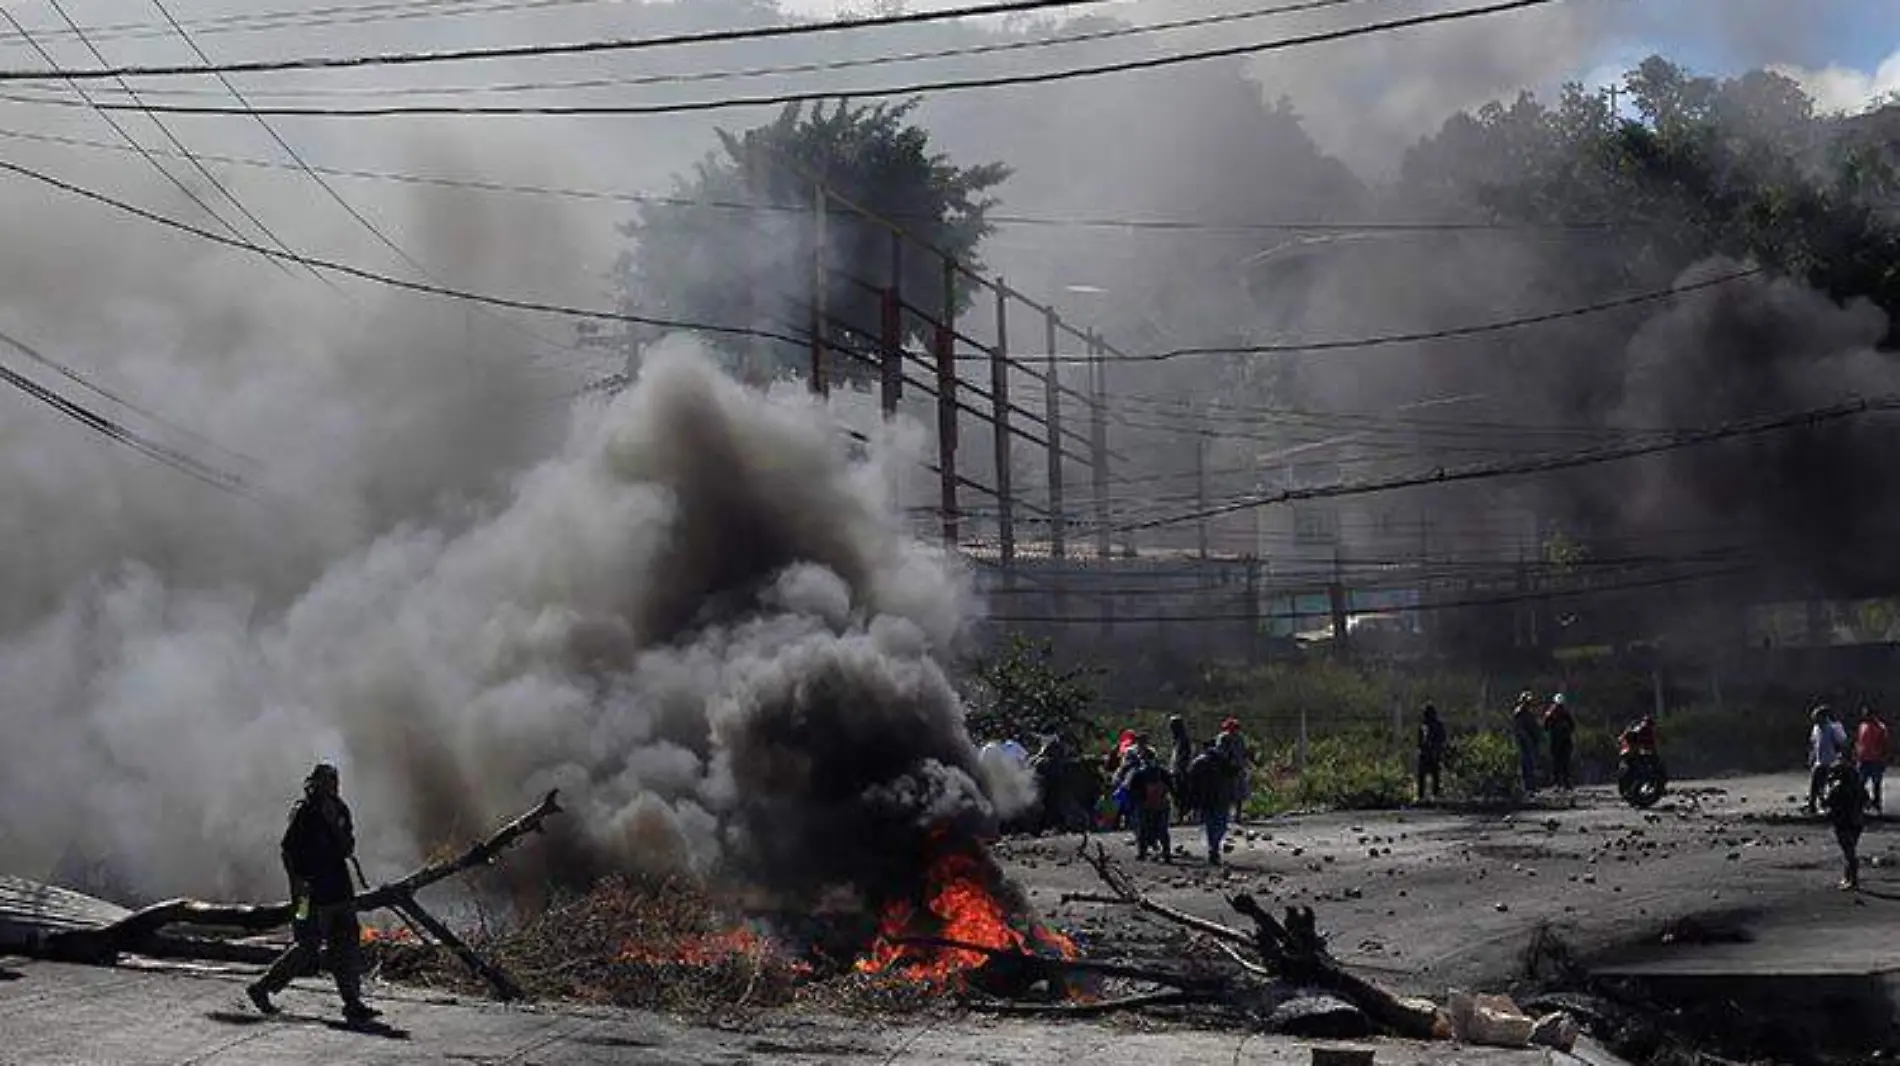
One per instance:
[(999, 421), (947, 403), (1052, 418), (819, 384)]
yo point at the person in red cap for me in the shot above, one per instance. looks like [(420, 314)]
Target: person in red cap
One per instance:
[(1234, 747)]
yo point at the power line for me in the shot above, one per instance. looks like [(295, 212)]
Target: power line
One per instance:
[(101, 391), (767, 100), (1452, 333), (334, 15), (526, 51), (1756, 427), (328, 189), (1443, 605), (661, 199), (138, 105), (812, 67), (134, 143), (385, 279), (107, 427)]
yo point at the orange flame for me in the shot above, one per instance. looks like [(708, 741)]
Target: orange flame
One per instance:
[(709, 949), (960, 908), (373, 935)]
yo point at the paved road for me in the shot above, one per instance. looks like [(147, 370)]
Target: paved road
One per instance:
[(1427, 900), (56, 1015)]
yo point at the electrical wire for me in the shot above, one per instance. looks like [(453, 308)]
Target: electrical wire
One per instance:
[(813, 67), (619, 196), (765, 100), (1755, 427), (530, 51), (135, 144)]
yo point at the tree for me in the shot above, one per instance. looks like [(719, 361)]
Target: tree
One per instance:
[(734, 245), (1020, 694)]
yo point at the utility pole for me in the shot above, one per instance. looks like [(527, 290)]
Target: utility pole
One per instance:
[(819, 313), (1098, 441), (999, 419), (891, 366), (947, 403), (1052, 410)]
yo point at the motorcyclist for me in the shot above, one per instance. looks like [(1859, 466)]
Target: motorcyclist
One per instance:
[(1639, 738)]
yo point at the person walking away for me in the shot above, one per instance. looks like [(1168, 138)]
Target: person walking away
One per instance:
[(1180, 755), (1150, 785), (1212, 778), (1846, 803), (316, 848), (1873, 745), (1824, 750), (1524, 728), (1561, 726), (1431, 751), (1233, 747)]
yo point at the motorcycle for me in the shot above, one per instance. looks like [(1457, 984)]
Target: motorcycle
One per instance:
[(1640, 777)]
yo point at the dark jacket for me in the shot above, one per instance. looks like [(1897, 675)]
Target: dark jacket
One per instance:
[(1212, 778), (1150, 786), (317, 849), (1844, 797), (1431, 739)]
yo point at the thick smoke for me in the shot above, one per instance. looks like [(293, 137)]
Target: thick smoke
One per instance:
[(699, 619)]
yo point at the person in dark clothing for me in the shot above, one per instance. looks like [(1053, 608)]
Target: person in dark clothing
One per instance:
[(1213, 780), (1561, 726), (317, 848), (1431, 751), (1524, 728), (1150, 785), (1179, 756), (1846, 803)]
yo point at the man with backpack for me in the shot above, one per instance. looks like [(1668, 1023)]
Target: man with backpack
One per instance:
[(1212, 782), (1149, 787)]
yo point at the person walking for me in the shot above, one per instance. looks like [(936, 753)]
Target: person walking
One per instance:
[(1561, 726), (1212, 781), (1826, 741), (1846, 803), (1180, 756), (317, 847), (1524, 728), (1873, 745), (1431, 751)]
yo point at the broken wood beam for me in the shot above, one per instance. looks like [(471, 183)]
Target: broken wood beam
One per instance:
[(130, 934), (505, 987)]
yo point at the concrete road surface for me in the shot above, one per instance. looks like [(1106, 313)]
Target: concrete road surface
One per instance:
[(57, 1015)]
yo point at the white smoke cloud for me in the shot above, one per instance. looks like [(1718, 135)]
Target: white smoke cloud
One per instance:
[(1837, 88), (699, 618)]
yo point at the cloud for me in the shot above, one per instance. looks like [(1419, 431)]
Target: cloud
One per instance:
[(1837, 88)]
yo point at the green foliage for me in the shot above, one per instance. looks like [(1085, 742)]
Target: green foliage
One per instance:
[(1019, 693), (1484, 766), (1353, 772), (708, 257)]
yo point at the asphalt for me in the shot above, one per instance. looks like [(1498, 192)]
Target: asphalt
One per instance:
[(1720, 881), (60, 1015)]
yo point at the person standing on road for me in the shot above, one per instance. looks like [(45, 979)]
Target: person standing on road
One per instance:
[(1562, 728), (1233, 747), (1827, 740), (1180, 755), (1431, 751), (1212, 781), (1150, 785), (1524, 728), (1873, 745), (1846, 803), (317, 847)]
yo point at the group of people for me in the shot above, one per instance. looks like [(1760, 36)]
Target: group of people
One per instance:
[(1208, 785), (1845, 776), (1530, 726)]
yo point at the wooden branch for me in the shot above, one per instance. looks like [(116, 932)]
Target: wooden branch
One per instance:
[(505, 987), (102, 946), (1126, 892), (1104, 968)]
